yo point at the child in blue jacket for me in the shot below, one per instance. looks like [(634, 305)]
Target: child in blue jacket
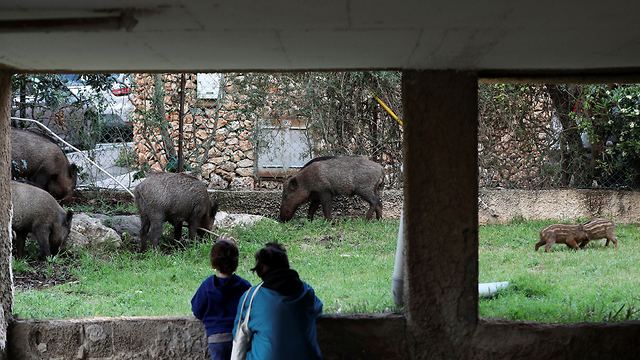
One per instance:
[(216, 300)]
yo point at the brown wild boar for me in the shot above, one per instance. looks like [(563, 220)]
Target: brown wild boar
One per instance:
[(41, 162), (577, 236), (175, 198), (36, 212), (600, 229), (323, 178)]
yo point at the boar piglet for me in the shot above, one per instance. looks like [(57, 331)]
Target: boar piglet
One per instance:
[(577, 236), (174, 198), (323, 178), (36, 212)]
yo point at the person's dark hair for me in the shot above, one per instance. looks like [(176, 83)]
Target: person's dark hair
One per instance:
[(271, 257), (224, 255)]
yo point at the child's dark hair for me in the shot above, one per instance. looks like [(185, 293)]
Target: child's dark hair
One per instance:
[(224, 255), (272, 256)]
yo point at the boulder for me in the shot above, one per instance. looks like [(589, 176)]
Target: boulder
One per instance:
[(227, 220), (122, 224), (89, 232)]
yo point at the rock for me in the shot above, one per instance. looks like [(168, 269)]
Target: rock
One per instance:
[(245, 145), (227, 220), (245, 163), (217, 160), (217, 182), (122, 224), (243, 183), (228, 166), (89, 232), (244, 172), (232, 141)]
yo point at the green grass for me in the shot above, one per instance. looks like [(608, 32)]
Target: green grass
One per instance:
[(595, 284), (349, 263)]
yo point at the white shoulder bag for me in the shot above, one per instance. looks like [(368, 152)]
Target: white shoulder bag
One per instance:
[(242, 340)]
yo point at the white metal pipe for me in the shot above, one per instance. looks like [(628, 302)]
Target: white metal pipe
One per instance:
[(490, 289), (76, 149), (397, 280)]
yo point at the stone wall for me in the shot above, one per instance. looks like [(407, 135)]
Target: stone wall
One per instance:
[(217, 143), (369, 337), (340, 337), (267, 203), (494, 206), (516, 140)]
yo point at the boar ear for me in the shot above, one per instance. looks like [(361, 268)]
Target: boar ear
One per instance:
[(293, 184), (73, 170), (69, 216)]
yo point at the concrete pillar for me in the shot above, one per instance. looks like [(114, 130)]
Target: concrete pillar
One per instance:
[(441, 211), (6, 281)]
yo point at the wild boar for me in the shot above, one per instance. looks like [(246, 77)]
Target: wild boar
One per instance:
[(322, 178), (36, 212), (175, 198), (577, 236), (600, 229), (41, 162)]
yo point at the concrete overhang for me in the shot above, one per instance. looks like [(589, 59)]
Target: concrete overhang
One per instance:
[(495, 37)]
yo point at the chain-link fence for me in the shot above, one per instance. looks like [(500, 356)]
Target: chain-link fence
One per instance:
[(559, 136), (252, 130), (91, 113)]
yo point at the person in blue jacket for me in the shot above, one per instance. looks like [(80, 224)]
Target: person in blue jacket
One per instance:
[(216, 301), (284, 311)]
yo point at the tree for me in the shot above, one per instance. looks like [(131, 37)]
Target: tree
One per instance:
[(50, 99)]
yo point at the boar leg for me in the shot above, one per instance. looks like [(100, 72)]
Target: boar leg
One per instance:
[(572, 243), (550, 241), (379, 209), (327, 203), (21, 237), (374, 203), (177, 230), (611, 237), (583, 244), (155, 231), (41, 234), (313, 207), (193, 229), (144, 232)]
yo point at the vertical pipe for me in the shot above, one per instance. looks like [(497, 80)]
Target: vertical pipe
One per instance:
[(397, 280), (181, 125)]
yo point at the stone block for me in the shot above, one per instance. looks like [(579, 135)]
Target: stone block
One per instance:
[(244, 171)]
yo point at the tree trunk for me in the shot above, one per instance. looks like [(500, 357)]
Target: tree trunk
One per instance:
[(573, 163)]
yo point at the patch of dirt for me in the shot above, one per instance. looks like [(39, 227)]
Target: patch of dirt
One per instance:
[(330, 241), (43, 275)]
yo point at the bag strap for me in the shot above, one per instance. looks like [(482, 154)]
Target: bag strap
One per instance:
[(246, 318)]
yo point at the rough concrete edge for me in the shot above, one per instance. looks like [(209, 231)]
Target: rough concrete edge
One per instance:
[(361, 329), (98, 319), (530, 340)]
